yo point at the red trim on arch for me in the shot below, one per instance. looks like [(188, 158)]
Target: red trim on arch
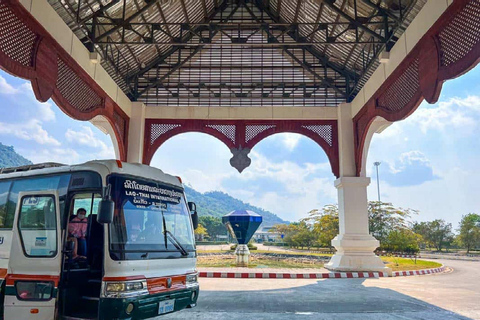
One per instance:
[(421, 74), (236, 134), (41, 64)]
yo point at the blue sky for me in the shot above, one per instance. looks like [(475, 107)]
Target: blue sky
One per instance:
[(429, 161)]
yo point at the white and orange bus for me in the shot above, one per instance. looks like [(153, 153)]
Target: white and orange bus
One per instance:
[(135, 260)]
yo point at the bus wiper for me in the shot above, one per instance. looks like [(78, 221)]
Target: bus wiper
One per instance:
[(172, 238), (176, 243)]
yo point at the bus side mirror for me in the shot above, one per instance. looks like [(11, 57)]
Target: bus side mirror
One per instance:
[(193, 209), (195, 220), (105, 211)]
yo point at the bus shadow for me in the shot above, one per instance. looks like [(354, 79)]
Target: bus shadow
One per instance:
[(325, 299)]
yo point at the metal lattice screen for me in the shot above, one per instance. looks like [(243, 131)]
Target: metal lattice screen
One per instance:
[(461, 35)]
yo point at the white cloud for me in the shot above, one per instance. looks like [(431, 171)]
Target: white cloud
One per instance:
[(451, 197), (305, 187), (43, 110), (204, 181), (86, 137), (30, 130), (459, 114), (455, 113), (282, 187), (290, 140), (407, 158), (60, 155), (6, 88)]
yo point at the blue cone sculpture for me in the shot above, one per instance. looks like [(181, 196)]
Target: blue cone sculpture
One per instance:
[(242, 224)]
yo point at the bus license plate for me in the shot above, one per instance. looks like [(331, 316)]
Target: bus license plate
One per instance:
[(166, 306)]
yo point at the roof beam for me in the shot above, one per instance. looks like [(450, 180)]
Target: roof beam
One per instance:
[(331, 5), (157, 60), (125, 22), (170, 72), (297, 10), (185, 12), (204, 7), (99, 12), (382, 11), (320, 56), (279, 8), (307, 68)]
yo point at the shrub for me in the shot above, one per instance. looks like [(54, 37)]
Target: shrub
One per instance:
[(403, 240)]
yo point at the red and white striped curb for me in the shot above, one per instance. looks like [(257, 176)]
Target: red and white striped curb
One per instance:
[(418, 272), (275, 275), (400, 256), (324, 275)]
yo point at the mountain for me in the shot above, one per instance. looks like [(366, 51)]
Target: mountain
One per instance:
[(214, 203), (218, 204), (9, 158)]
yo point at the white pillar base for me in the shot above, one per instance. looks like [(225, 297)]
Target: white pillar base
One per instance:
[(355, 253), (243, 255)]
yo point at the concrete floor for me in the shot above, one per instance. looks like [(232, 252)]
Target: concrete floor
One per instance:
[(452, 295)]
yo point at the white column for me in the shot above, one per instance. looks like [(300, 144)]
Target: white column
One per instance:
[(136, 133), (354, 243)]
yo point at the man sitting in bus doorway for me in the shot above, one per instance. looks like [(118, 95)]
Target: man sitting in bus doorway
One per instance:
[(77, 230)]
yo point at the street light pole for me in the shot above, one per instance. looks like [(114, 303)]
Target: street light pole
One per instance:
[(377, 164)]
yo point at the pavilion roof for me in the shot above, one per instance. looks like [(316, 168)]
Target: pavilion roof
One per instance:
[(239, 52)]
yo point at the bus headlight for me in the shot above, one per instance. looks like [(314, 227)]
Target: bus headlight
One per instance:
[(123, 289), (192, 280)]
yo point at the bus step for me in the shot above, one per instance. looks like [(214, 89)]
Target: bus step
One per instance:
[(94, 280), (77, 318), (90, 298)]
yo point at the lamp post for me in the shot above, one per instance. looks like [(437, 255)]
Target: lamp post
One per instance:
[(377, 164)]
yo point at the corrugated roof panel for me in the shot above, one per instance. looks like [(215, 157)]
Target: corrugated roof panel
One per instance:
[(239, 74)]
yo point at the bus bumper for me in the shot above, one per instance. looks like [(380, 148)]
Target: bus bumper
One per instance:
[(145, 307)]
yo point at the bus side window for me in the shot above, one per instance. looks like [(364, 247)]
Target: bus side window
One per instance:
[(37, 226), (87, 201), (6, 221)]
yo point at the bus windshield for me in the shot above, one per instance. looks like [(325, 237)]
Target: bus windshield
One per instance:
[(144, 210)]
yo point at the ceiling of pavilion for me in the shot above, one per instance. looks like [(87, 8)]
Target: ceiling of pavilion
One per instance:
[(239, 52)]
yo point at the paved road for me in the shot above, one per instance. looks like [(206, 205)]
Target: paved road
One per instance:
[(454, 295)]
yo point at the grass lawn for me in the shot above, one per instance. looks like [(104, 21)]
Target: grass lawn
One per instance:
[(219, 261), (266, 251), (396, 264), (404, 264)]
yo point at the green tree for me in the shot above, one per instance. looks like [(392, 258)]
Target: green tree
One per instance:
[(296, 234), (325, 224), (422, 228), (213, 225), (201, 233), (469, 231), (304, 235), (402, 240), (437, 233), (385, 218)]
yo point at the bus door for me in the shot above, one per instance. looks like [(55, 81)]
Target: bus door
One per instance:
[(35, 258)]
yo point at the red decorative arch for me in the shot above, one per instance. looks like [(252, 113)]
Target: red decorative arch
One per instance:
[(243, 134), (28, 51), (450, 48)]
